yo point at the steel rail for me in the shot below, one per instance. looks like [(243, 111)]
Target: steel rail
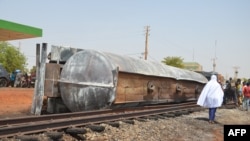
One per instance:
[(19, 120), (36, 127)]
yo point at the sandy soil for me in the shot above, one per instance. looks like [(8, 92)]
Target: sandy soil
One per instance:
[(15, 101)]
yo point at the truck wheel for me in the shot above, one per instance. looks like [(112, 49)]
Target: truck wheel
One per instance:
[(3, 82)]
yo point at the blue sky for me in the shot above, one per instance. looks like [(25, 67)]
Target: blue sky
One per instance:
[(196, 30)]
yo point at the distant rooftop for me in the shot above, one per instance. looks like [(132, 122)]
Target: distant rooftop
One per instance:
[(14, 31), (193, 66)]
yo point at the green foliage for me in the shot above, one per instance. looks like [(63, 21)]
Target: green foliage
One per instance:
[(33, 69), (173, 61), (11, 58)]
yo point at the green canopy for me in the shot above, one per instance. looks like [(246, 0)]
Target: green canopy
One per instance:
[(14, 31)]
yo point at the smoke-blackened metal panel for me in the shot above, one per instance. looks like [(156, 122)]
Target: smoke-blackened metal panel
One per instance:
[(144, 67), (52, 75), (52, 71), (87, 81), (79, 97), (62, 54)]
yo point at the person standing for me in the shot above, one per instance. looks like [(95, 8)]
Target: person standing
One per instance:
[(246, 100), (239, 92), (211, 97)]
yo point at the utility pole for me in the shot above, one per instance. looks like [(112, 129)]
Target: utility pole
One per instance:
[(146, 43), (236, 72), (214, 63)]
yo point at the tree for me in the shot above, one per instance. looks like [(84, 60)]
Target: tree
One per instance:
[(173, 61), (33, 69), (11, 58)]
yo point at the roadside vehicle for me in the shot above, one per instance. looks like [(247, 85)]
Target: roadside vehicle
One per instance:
[(4, 77), (32, 79)]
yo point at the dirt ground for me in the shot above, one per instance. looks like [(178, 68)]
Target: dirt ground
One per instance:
[(15, 102)]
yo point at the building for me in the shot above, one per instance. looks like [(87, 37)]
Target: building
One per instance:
[(193, 66), (16, 31)]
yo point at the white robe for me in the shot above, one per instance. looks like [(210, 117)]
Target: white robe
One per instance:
[(211, 95)]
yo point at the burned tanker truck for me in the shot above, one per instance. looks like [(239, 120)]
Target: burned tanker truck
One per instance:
[(76, 80)]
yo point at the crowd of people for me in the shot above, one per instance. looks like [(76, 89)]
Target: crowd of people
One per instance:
[(214, 95), (237, 92)]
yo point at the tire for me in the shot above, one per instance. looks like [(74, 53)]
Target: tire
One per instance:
[(3, 82)]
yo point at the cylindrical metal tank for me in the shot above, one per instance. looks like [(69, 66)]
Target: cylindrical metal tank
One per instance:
[(89, 78)]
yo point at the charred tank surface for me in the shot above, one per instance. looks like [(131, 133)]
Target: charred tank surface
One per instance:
[(87, 81), (92, 80)]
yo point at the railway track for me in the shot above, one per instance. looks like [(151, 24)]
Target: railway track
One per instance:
[(47, 123)]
